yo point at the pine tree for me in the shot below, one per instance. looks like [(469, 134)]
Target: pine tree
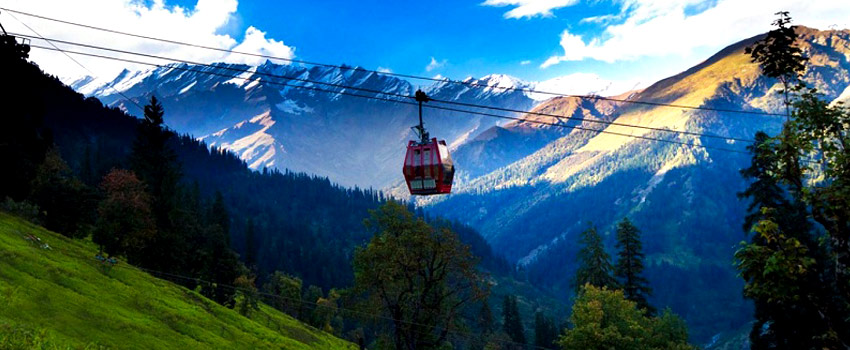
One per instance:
[(155, 163), (594, 263), (511, 320), (545, 333), (764, 190), (629, 268)]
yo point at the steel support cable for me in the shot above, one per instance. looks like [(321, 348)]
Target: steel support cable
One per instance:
[(464, 104), (410, 76)]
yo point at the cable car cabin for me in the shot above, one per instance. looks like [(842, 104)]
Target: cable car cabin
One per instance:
[(428, 168)]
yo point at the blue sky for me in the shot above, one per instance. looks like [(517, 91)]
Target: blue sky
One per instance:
[(404, 35), (626, 43)]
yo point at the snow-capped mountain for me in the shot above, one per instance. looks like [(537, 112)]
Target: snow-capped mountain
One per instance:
[(288, 116)]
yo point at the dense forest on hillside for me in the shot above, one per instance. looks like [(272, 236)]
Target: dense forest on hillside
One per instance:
[(302, 224), (183, 209)]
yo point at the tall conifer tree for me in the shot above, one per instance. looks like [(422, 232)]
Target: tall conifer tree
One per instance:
[(629, 268), (155, 163), (545, 332), (594, 263), (511, 320)]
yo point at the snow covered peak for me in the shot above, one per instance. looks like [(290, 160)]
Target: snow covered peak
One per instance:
[(502, 81), (488, 86), (85, 85)]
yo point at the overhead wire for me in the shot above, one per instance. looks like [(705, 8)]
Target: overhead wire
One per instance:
[(401, 75), (402, 101), (66, 55), (465, 104)]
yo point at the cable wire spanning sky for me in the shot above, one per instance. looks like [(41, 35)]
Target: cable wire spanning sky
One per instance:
[(572, 46)]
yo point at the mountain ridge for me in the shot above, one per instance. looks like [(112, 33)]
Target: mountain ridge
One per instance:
[(682, 197)]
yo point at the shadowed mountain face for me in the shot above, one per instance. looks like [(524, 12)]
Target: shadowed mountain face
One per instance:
[(275, 116), (531, 190)]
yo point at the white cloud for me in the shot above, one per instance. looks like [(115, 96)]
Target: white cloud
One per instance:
[(525, 63), (602, 19), (384, 70), (529, 8), (583, 84), (255, 41), (204, 25), (655, 28), (434, 64)]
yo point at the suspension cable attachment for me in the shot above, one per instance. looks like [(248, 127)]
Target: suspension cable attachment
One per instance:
[(420, 97)]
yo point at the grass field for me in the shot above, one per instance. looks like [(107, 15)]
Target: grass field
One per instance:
[(60, 298)]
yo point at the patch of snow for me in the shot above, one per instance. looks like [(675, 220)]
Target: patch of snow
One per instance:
[(252, 84), (264, 119), (580, 84), (183, 90), (266, 157), (461, 92), (257, 148), (131, 80), (292, 107), (242, 78), (498, 83), (87, 85), (534, 253)]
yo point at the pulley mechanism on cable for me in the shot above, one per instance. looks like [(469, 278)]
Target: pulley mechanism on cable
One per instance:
[(428, 167)]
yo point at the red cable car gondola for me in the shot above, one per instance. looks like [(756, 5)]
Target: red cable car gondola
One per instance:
[(428, 167)]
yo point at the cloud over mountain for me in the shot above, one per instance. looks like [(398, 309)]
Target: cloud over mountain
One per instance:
[(209, 23), (636, 31)]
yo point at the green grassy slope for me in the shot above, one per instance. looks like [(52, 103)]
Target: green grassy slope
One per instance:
[(60, 298)]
